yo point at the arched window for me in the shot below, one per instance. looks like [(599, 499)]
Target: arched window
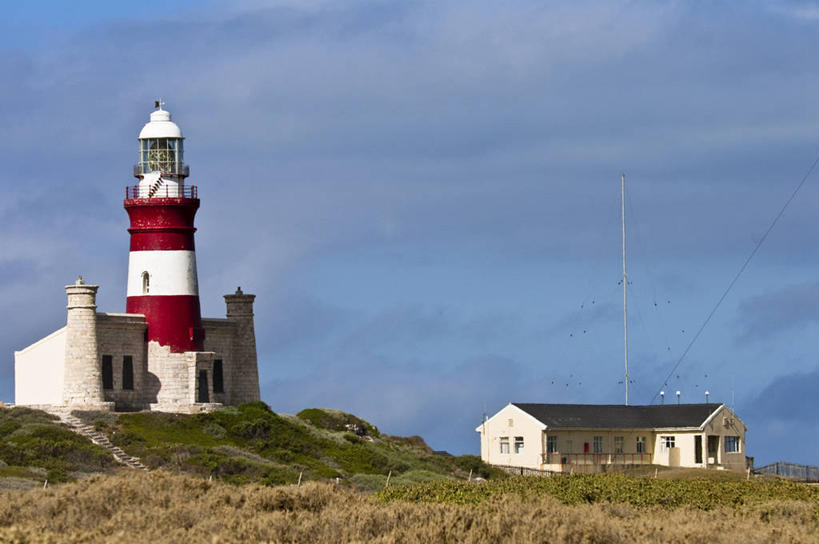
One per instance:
[(146, 282)]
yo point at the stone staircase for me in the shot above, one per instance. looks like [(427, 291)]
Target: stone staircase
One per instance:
[(76, 425)]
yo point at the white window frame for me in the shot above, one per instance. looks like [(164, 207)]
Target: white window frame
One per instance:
[(619, 444), (597, 444), (504, 444), (518, 444), (551, 444), (668, 441), (641, 444)]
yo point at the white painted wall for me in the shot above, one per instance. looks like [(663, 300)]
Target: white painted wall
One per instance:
[(171, 273), (511, 422), (38, 371)]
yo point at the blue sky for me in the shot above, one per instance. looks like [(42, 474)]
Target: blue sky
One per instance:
[(425, 195)]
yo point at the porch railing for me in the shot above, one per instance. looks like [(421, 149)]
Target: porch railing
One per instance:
[(558, 458)]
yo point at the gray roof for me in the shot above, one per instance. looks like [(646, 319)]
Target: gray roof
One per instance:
[(618, 416)]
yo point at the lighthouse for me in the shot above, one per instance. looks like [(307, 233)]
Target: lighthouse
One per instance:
[(161, 354), (162, 280)]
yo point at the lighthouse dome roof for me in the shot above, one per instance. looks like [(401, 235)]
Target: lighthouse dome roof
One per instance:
[(160, 126)]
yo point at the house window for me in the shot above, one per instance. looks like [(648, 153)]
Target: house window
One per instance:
[(641, 444), (218, 379), (598, 444), (618, 444), (518, 444), (551, 444), (667, 441), (128, 372), (731, 444), (107, 372), (504, 444), (511, 422)]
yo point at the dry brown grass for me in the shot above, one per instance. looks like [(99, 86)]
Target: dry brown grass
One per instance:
[(161, 507)]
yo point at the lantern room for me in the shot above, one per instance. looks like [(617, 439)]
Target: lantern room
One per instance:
[(160, 146)]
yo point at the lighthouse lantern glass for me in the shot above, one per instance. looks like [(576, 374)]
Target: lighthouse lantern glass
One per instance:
[(160, 155)]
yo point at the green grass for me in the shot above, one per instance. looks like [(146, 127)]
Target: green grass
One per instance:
[(33, 443), (705, 494), (251, 443)]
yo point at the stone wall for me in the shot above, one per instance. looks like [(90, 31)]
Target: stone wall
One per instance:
[(162, 380), (244, 368), (219, 338), (82, 378), (121, 335)]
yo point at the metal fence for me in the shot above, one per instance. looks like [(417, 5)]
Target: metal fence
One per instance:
[(805, 473)]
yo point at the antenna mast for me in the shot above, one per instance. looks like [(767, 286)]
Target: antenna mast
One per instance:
[(625, 276)]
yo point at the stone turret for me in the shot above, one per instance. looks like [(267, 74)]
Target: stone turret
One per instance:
[(245, 375), (82, 378)]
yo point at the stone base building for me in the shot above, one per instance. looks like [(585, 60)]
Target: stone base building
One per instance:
[(161, 354), (103, 361)]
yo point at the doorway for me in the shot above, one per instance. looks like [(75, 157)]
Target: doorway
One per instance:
[(202, 388), (713, 448), (698, 449)]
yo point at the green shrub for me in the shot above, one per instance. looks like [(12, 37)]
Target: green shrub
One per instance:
[(215, 430), (257, 429), (334, 420), (57, 474), (478, 467), (279, 476), (609, 488)]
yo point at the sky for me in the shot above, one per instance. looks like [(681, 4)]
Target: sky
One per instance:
[(425, 196)]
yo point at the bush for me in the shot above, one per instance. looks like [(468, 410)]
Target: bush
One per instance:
[(215, 430), (334, 420), (478, 467), (609, 488), (278, 476), (257, 429), (57, 475)]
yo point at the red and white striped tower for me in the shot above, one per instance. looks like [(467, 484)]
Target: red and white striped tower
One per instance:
[(162, 282)]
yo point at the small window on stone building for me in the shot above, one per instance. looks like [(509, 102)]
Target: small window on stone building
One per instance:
[(641, 444), (218, 379), (128, 372), (598, 444), (618, 444), (107, 372), (731, 444), (146, 282)]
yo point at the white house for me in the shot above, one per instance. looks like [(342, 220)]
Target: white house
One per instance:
[(588, 437)]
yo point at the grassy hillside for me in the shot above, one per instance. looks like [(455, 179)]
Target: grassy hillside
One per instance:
[(160, 507), (251, 443), (34, 445)]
